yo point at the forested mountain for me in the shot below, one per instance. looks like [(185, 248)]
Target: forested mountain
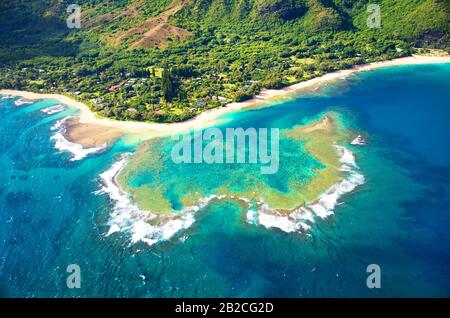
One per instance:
[(168, 60)]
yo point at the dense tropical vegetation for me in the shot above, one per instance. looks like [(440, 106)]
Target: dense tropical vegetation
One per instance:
[(168, 60)]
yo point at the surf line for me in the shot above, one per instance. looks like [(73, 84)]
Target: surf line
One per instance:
[(212, 147)]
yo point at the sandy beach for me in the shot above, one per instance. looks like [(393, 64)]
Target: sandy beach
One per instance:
[(94, 124), (90, 135)]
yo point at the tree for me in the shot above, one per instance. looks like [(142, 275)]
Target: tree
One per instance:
[(168, 85)]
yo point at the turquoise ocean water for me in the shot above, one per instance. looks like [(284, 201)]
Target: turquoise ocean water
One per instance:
[(52, 215)]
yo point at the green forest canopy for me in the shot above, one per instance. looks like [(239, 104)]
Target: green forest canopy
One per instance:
[(168, 60)]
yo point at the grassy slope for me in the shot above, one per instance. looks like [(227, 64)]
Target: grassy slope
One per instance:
[(412, 18)]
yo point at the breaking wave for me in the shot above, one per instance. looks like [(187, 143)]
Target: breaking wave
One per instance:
[(143, 226), (53, 109), (22, 101), (63, 145), (301, 219), (152, 227), (5, 97)]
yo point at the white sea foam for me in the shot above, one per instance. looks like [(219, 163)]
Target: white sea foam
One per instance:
[(346, 157), (151, 228), (22, 101), (77, 150), (5, 97), (143, 226), (285, 223), (252, 216), (62, 144), (359, 140), (329, 199), (53, 109), (59, 123), (113, 229), (300, 220)]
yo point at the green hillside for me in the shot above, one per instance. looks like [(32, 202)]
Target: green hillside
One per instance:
[(168, 60)]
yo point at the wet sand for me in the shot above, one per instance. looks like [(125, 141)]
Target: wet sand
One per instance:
[(90, 135)]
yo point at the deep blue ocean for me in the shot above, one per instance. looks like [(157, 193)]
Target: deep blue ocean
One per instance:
[(51, 214)]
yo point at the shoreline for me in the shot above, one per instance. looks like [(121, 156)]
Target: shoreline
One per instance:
[(164, 227), (211, 117)]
